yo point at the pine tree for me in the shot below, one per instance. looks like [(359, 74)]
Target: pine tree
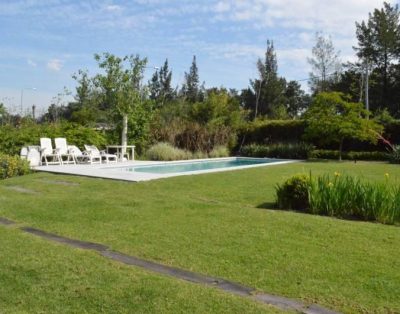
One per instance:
[(165, 79), (155, 86), (268, 88), (379, 45), (191, 86)]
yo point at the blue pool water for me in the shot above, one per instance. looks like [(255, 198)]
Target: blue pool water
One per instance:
[(201, 165)]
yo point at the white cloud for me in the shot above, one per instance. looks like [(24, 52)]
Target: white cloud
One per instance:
[(334, 16), (113, 8), (222, 6), (55, 65), (31, 63)]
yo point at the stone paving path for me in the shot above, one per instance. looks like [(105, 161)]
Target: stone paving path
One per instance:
[(282, 303)]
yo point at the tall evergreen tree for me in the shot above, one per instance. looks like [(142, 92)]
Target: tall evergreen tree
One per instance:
[(191, 88), (165, 77), (379, 45), (269, 89), (325, 64), (155, 86)]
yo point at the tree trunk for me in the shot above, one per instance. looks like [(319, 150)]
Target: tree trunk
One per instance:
[(124, 135), (340, 150), (385, 80)]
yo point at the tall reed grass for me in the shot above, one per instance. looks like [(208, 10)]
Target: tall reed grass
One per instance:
[(349, 197)]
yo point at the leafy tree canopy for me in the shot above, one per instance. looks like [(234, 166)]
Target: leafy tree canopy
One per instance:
[(332, 118)]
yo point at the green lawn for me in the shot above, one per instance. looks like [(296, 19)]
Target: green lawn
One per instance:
[(216, 224), (40, 277)]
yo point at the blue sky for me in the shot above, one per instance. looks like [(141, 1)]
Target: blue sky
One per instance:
[(43, 42)]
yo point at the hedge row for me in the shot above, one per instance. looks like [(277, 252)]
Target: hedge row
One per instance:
[(306, 151), (291, 131), (273, 131), (12, 139), (280, 150), (334, 154)]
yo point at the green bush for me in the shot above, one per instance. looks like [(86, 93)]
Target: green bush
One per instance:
[(334, 154), (12, 139), (219, 151), (12, 166), (280, 150), (394, 156), (293, 193), (166, 152), (341, 196)]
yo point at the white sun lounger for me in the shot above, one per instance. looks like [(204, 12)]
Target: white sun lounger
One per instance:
[(62, 149), (83, 157), (92, 150), (48, 155)]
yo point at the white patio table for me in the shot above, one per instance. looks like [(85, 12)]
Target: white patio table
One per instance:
[(119, 149)]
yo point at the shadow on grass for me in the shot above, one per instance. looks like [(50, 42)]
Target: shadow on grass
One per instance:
[(268, 205), (273, 206)]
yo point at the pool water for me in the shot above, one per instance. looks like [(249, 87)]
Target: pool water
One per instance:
[(201, 165)]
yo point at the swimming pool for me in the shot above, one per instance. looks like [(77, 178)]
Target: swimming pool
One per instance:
[(202, 165), (140, 170)]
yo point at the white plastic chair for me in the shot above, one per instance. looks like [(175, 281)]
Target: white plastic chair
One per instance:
[(47, 151), (106, 158), (62, 149), (83, 157)]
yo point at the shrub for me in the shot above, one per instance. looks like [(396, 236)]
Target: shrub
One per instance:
[(198, 155), (394, 156), (293, 193), (280, 150), (166, 152), (341, 196), (11, 166), (219, 151)]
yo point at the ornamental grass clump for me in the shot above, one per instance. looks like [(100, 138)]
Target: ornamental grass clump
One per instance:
[(166, 152), (347, 197)]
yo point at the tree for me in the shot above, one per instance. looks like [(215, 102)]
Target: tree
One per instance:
[(155, 86), (325, 64), (3, 114), (160, 85), (296, 99), (268, 89), (166, 90), (351, 82), (379, 46), (332, 119), (191, 88), (121, 86), (86, 109)]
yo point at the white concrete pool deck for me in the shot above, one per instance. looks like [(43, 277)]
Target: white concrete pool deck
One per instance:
[(117, 172)]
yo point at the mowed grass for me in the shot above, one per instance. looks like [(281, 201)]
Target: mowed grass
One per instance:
[(217, 224), (41, 277)]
